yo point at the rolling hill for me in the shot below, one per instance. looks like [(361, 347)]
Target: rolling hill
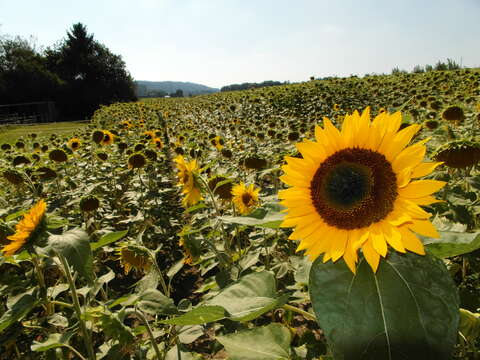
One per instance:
[(156, 88)]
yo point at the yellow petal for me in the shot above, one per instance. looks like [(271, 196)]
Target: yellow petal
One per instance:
[(411, 242), (420, 188), (424, 169), (409, 158), (339, 243), (423, 227), (393, 147), (393, 237), (378, 240), (412, 209), (350, 257), (372, 257), (426, 200)]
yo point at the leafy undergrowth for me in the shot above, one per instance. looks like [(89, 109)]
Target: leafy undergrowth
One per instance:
[(203, 280)]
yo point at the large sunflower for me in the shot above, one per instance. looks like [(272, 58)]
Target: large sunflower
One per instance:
[(26, 229), (187, 175), (354, 189)]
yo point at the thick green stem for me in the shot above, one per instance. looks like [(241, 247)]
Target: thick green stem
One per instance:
[(166, 290), (41, 283), (305, 314), (61, 303), (142, 318), (76, 306), (75, 351)]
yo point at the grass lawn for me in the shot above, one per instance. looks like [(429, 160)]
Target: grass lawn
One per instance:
[(10, 133)]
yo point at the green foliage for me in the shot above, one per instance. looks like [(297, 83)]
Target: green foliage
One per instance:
[(93, 75), (19, 307), (271, 342), (74, 245), (452, 244), (151, 276), (24, 76), (392, 314)]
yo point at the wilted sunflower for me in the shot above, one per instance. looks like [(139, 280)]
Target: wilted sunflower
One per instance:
[(245, 198), (13, 176), (74, 143), (136, 161), (27, 229), (107, 138), (58, 155), (133, 257), (187, 175), (353, 189)]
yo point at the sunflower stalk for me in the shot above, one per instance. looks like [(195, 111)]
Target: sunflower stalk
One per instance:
[(217, 211), (304, 313), (165, 287), (41, 282), (76, 305), (139, 315)]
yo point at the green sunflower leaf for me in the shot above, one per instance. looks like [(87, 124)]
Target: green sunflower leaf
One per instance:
[(249, 297), (453, 243), (74, 245), (197, 316), (408, 309), (271, 342), (108, 239), (53, 341), (19, 307)]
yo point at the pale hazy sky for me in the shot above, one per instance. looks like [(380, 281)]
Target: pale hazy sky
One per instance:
[(220, 42)]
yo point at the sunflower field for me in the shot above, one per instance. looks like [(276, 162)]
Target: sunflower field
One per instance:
[(332, 219)]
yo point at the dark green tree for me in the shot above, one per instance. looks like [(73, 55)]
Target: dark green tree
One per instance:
[(93, 75), (23, 73)]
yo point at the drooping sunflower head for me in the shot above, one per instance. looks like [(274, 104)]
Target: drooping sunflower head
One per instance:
[(459, 154), (188, 173), (28, 230), (137, 161), (453, 114), (46, 173), (100, 155), (134, 257), (97, 136), (221, 186), (89, 203), (245, 197), (354, 189), (13, 176), (74, 143), (58, 155)]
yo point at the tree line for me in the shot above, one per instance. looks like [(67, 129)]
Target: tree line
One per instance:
[(246, 86), (78, 73), (440, 65)]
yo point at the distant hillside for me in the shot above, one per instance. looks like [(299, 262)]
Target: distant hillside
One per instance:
[(161, 88)]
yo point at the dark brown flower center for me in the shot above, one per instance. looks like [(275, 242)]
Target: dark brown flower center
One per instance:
[(247, 199), (354, 188)]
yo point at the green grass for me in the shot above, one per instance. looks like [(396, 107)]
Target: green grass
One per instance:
[(10, 133)]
